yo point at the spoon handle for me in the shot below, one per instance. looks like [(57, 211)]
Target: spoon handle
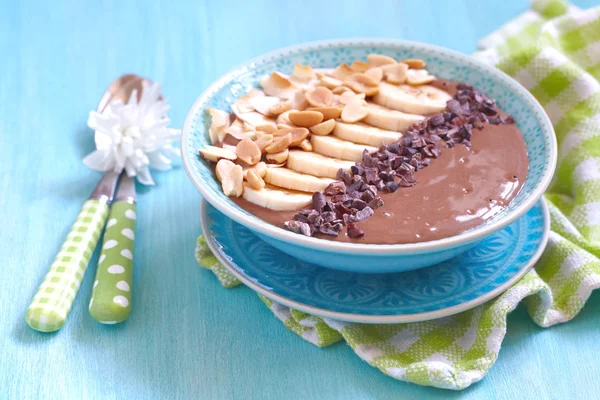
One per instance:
[(111, 296), (52, 302)]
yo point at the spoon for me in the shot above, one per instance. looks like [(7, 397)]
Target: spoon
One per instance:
[(53, 300)]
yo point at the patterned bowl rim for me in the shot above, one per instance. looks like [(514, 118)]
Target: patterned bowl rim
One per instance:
[(376, 319), (278, 233)]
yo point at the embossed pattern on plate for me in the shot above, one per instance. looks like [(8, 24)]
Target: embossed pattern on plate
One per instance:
[(478, 275)]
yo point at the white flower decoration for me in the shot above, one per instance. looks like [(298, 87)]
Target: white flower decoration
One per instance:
[(134, 136)]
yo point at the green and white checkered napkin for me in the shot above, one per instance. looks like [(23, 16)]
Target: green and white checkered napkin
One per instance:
[(554, 51)]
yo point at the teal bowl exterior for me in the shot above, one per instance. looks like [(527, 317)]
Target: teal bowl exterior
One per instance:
[(510, 95), (369, 263)]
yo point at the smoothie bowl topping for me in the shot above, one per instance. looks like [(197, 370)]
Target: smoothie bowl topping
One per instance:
[(377, 151)]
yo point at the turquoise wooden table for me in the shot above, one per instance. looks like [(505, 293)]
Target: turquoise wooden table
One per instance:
[(187, 337)]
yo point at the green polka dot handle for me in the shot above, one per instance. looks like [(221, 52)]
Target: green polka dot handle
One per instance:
[(52, 302), (111, 296)]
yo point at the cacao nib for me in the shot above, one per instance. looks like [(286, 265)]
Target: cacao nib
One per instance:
[(337, 187), (365, 213), (318, 201), (299, 227), (376, 203), (344, 176), (354, 231), (358, 204)]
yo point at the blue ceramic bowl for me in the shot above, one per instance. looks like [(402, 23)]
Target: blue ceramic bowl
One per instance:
[(510, 95)]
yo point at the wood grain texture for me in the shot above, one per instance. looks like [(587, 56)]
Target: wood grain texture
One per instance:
[(187, 337)]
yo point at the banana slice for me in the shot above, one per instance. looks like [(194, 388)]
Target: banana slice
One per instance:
[(276, 199), (365, 134), (315, 164), (333, 147), (392, 120), (288, 179), (421, 100)]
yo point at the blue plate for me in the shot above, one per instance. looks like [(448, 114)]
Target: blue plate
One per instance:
[(470, 279)]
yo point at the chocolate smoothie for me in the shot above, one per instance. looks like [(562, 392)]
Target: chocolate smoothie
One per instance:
[(460, 190)]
